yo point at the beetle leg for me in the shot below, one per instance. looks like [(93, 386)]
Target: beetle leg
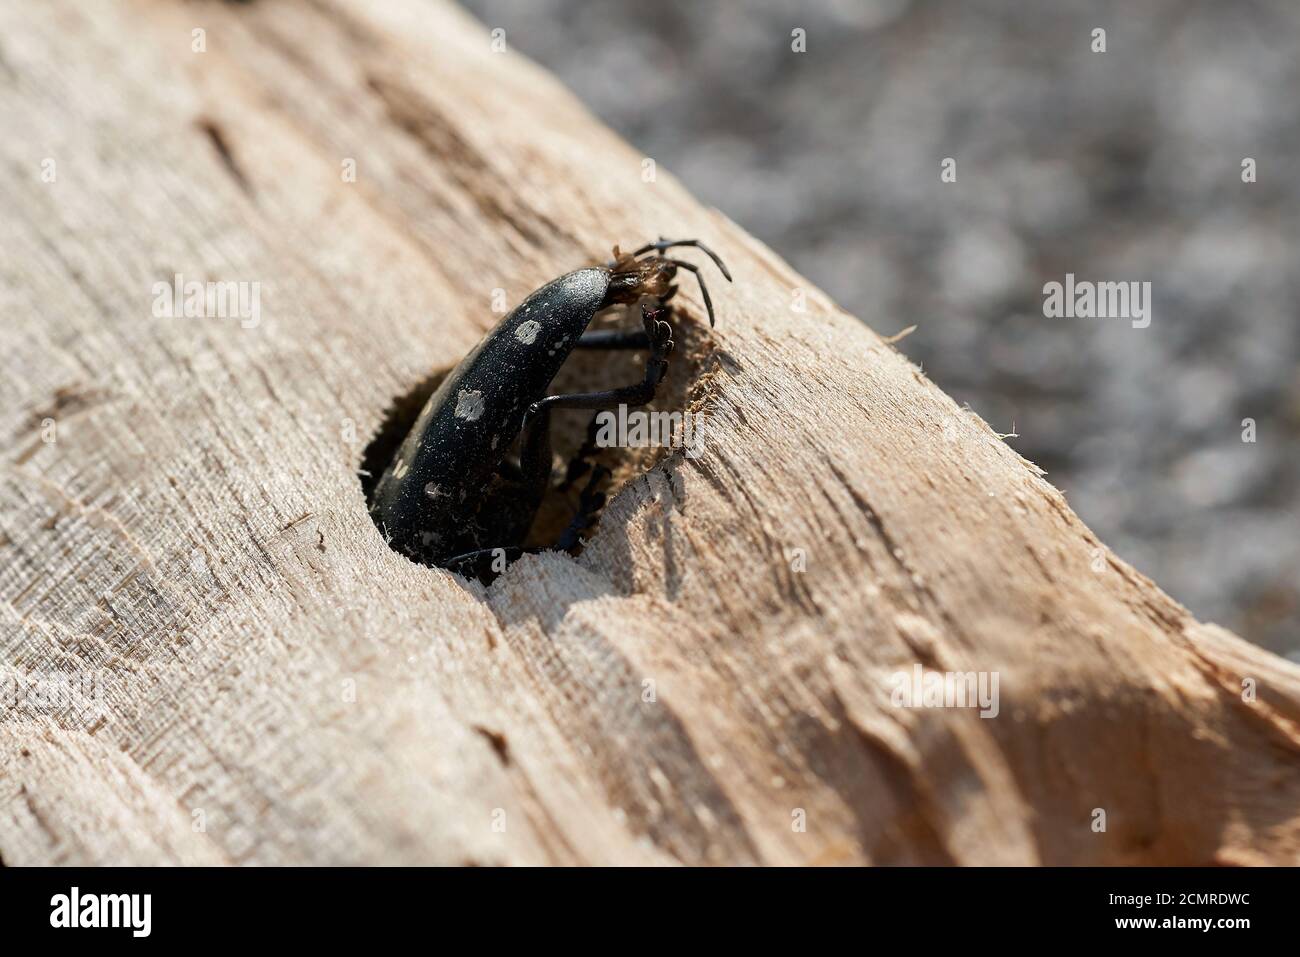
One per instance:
[(478, 563), (605, 339), (659, 334), (590, 502), (535, 458), (613, 339), (639, 394), (621, 338), (704, 290), (583, 460)]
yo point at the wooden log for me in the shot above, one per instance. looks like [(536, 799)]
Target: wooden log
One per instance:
[(257, 678)]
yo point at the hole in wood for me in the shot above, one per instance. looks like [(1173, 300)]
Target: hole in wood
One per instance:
[(623, 448)]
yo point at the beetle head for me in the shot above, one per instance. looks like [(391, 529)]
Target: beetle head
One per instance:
[(632, 278)]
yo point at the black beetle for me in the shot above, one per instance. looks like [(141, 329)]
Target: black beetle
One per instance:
[(455, 495)]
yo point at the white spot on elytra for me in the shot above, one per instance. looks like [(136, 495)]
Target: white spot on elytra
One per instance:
[(469, 405), (433, 490), (527, 332)]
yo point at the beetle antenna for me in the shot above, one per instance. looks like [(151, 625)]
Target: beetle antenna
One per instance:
[(665, 244), (704, 290)]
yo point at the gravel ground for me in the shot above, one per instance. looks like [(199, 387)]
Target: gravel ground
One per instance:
[(1115, 166)]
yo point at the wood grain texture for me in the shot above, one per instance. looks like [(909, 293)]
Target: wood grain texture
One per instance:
[(273, 685)]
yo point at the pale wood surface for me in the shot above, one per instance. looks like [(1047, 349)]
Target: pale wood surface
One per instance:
[(196, 545)]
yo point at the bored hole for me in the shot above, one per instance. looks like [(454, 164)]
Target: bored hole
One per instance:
[(584, 371), (399, 418)]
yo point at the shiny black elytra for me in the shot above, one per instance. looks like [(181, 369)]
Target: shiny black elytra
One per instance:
[(456, 495)]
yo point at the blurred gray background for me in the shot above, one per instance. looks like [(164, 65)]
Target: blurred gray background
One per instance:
[(1123, 165)]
